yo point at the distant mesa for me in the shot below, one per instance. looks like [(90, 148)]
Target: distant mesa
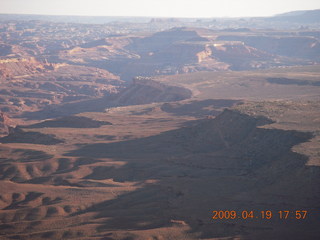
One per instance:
[(302, 47), (164, 20), (70, 122), (311, 16)]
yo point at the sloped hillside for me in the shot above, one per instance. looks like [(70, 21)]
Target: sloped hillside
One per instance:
[(145, 90), (12, 67)]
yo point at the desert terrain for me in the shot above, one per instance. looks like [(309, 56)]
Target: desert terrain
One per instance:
[(130, 131)]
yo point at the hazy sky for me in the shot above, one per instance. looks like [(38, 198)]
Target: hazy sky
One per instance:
[(160, 8)]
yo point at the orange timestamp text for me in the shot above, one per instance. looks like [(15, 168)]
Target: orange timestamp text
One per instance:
[(265, 214)]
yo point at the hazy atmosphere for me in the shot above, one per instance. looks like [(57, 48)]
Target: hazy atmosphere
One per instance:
[(159, 119), (160, 8)]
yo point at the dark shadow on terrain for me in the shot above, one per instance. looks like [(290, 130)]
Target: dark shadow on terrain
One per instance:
[(226, 163), (17, 135), (67, 109), (27, 155), (30, 196), (106, 137), (17, 165), (65, 166), (287, 81), (70, 122), (199, 108)]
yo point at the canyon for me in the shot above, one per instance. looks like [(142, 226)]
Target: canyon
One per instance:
[(141, 130)]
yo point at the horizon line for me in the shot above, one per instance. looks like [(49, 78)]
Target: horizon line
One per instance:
[(141, 16)]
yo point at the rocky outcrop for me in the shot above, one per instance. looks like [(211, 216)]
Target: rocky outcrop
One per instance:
[(12, 67), (145, 90), (5, 123), (35, 90)]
